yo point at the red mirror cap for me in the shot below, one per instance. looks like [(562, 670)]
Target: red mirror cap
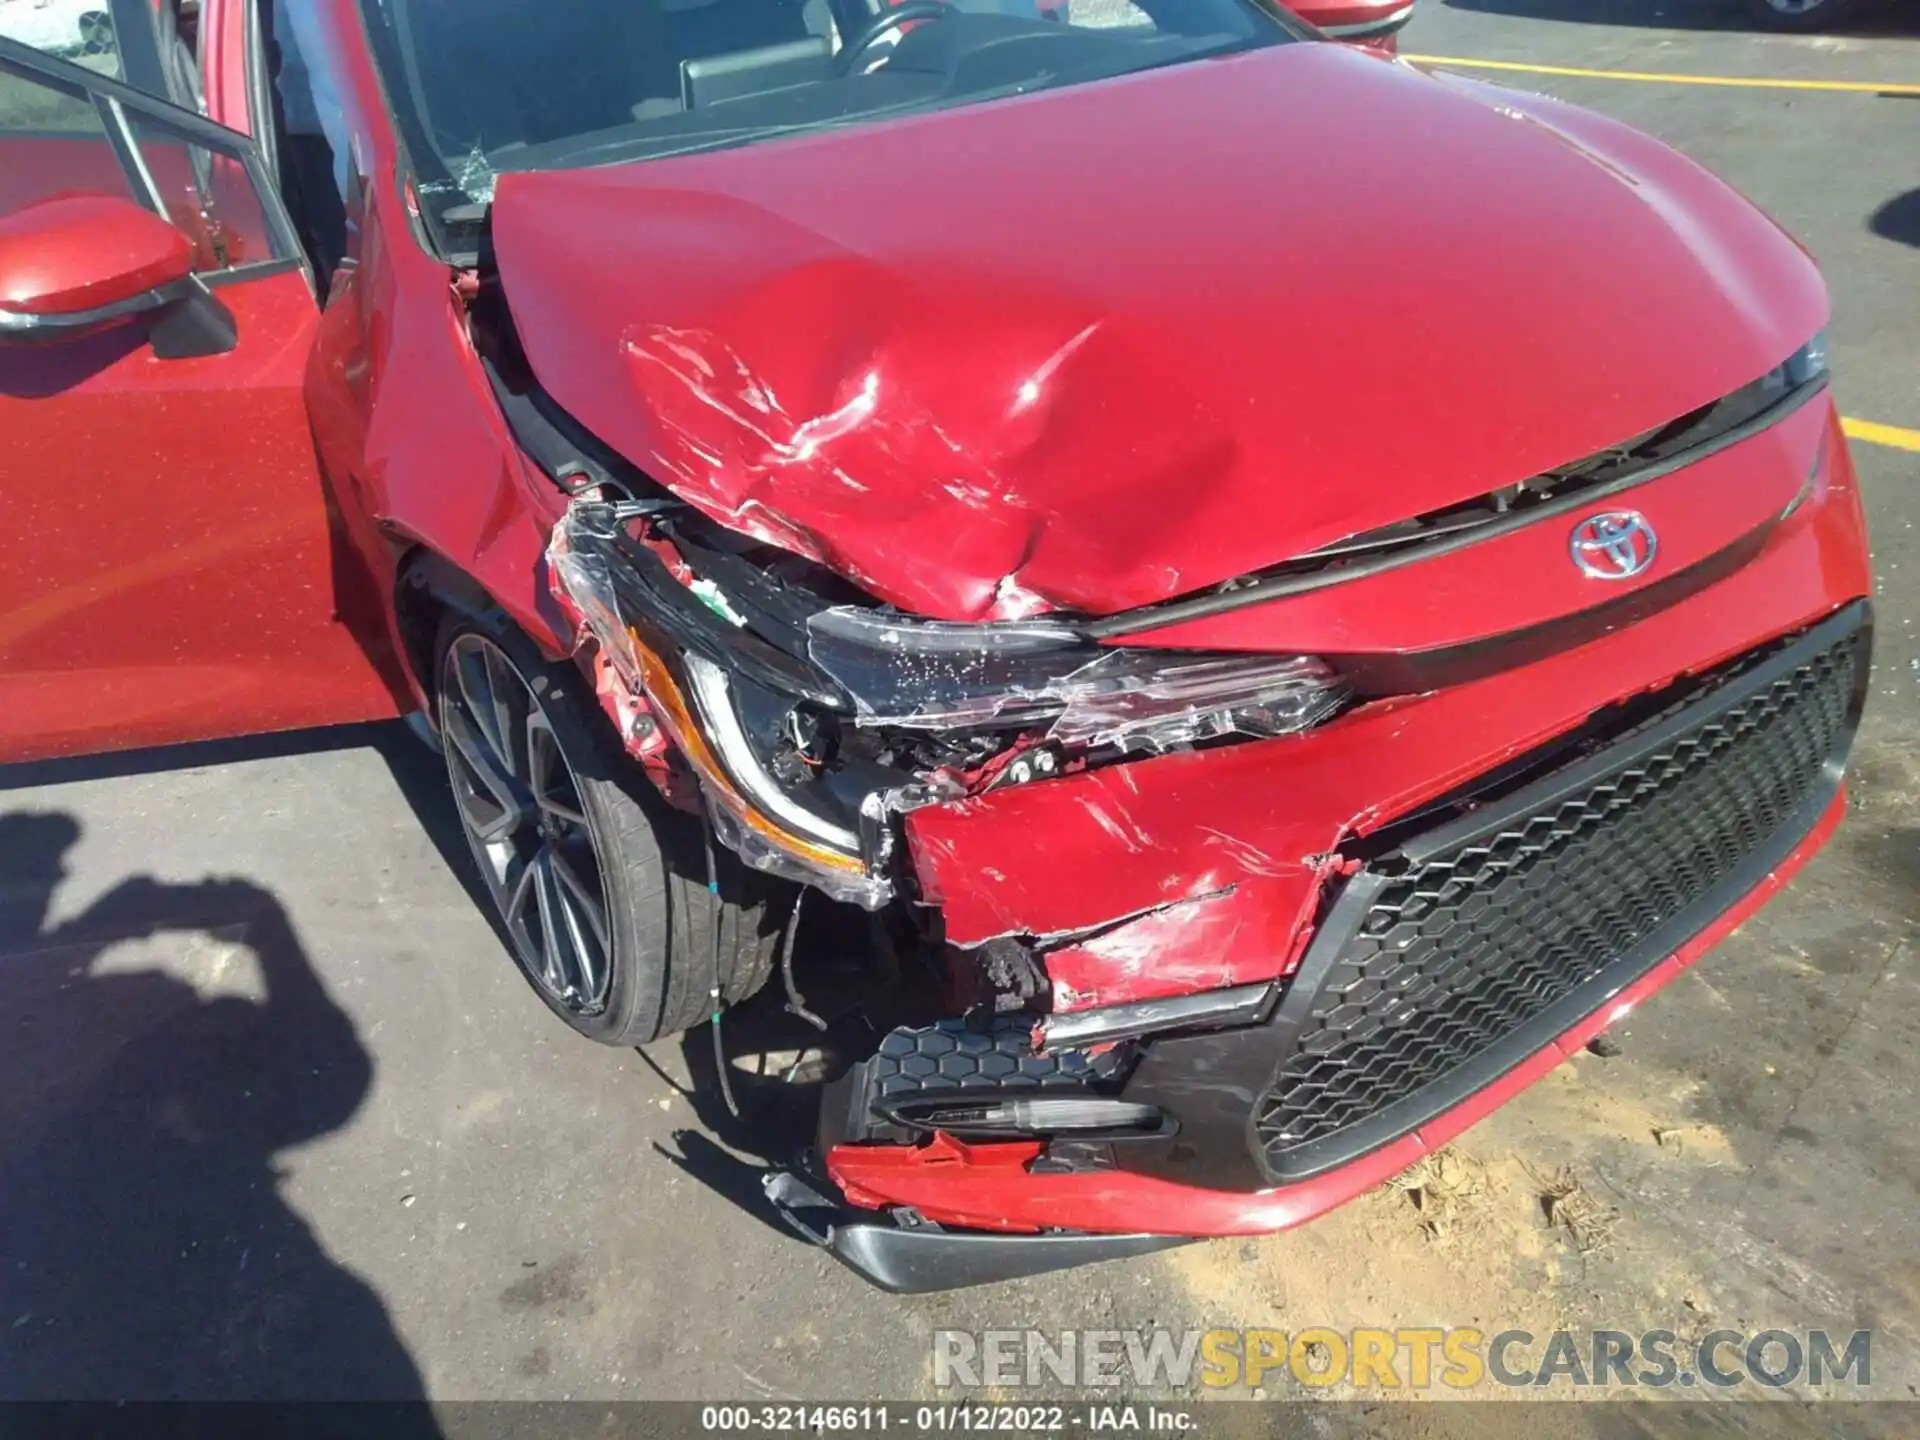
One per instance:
[(75, 253)]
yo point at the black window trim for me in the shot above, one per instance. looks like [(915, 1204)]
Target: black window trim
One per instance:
[(260, 111), (136, 37)]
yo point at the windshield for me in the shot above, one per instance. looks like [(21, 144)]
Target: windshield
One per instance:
[(486, 86)]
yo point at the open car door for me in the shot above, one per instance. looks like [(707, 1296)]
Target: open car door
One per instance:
[(170, 569)]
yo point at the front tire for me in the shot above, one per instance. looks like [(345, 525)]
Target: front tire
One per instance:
[(599, 886)]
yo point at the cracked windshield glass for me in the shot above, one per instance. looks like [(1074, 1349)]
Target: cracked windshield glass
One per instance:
[(487, 86)]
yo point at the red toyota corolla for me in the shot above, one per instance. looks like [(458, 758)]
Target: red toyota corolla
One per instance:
[(1303, 589)]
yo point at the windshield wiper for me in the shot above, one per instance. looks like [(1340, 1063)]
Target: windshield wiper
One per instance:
[(474, 212)]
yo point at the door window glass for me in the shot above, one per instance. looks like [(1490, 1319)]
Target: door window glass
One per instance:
[(27, 108), (209, 196), (63, 133), (51, 143)]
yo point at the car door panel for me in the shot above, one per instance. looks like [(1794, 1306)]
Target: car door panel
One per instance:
[(177, 590), (175, 570)]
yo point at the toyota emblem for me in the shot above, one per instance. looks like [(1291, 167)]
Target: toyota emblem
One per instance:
[(1615, 545)]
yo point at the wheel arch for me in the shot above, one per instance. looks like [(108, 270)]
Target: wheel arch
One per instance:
[(427, 586)]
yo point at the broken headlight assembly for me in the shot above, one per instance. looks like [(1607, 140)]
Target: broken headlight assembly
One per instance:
[(812, 725), (935, 675)]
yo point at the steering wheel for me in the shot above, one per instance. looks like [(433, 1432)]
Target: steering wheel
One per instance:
[(886, 23)]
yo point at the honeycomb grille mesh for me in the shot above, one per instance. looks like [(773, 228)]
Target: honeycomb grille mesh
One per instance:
[(950, 1056), (1464, 948)]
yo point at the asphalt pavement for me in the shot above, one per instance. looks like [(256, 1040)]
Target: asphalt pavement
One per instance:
[(277, 1118)]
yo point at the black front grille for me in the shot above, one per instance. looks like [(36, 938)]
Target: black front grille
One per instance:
[(1448, 961)]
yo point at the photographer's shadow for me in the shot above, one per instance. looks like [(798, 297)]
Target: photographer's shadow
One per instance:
[(145, 1250)]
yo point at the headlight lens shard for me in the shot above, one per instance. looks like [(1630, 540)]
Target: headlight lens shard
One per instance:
[(938, 675)]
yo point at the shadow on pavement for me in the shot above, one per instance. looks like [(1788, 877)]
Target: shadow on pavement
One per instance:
[(145, 1250), (1898, 219), (162, 759)]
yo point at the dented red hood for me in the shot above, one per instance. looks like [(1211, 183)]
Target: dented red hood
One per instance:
[(1108, 344)]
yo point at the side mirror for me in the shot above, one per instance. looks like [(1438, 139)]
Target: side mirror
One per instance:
[(1364, 24), (75, 264)]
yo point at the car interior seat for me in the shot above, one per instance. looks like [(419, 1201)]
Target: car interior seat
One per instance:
[(536, 70)]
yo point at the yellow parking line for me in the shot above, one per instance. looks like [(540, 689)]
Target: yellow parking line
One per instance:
[(1867, 87), (1874, 433)]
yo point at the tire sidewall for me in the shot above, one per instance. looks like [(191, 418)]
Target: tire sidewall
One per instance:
[(1824, 15)]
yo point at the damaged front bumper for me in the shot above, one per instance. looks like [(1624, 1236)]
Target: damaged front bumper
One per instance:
[(1003, 1213), (1471, 950), (1247, 979), (905, 1254)]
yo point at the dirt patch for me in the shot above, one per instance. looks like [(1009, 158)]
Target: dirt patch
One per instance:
[(1567, 1204), (1451, 1190), (1591, 1100), (1519, 1225), (1416, 1252)]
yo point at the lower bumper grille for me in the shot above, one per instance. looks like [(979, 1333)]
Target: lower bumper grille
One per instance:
[(1469, 947), (1466, 937)]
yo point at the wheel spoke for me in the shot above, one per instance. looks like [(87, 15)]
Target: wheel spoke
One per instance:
[(586, 895), (475, 676), (511, 703), (580, 954), (561, 810), (481, 731), (508, 810), (547, 777), (519, 892), (586, 923), (546, 895), (521, 910)]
